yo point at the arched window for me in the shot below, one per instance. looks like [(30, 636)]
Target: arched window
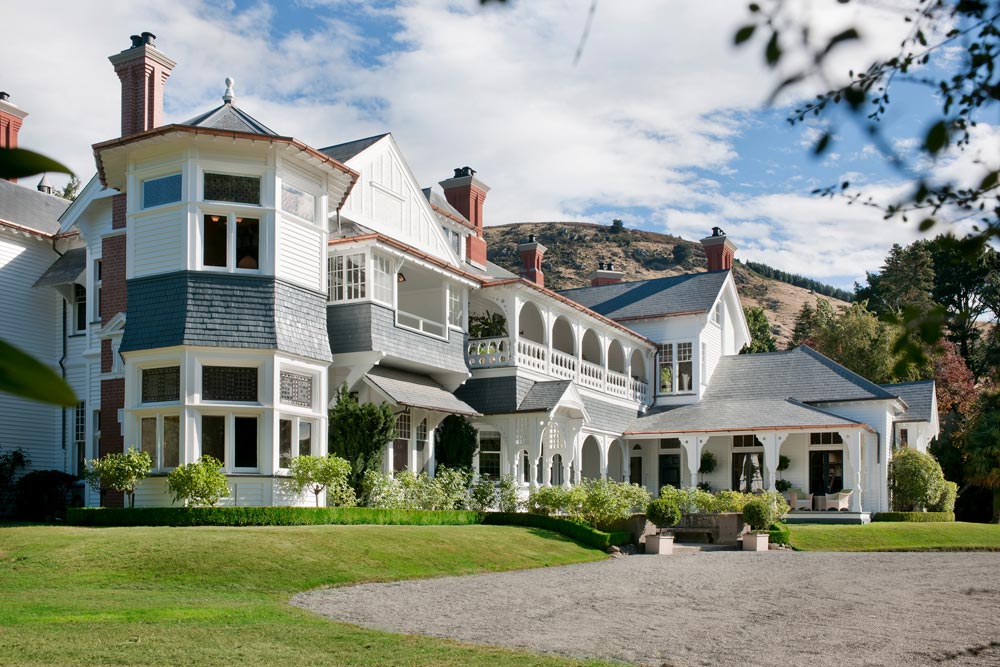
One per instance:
[(556, 478)]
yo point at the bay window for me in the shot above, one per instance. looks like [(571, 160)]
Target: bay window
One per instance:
[(347, 277), (230, 242), (674, 368), (295, 438), (233, 439), (161, 191), (160, 437)]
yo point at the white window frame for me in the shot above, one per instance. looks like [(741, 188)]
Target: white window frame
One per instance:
[(98, 272), (229, 363), (79, 303), (159, 416), (296, 422), (232, 216), (675, 363), (498, 452), (456, 296), (383, 280), (717, 314), (339, 274), (229, 438), (142, 190), (295, 190)]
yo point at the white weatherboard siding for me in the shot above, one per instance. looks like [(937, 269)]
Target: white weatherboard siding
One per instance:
[(388, 199), (300, 254), (31, 324), (157, 242)]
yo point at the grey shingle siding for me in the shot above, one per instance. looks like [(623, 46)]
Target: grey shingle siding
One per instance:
[(364, 327), (219, 310), (228, 117), (543, 396), (495, 396), (692, 292)]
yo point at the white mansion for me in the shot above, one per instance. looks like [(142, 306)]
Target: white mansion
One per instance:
[(215, 283)]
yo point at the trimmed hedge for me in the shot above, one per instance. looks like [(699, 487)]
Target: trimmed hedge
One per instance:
[(779, 534), (312, 516), (266, 516), (916, 517)]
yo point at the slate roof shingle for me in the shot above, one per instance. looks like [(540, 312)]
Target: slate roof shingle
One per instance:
[(229, 117), (347, 150), (919, 398), (736, 415), (417, 391), (671, 295), (30, 208), (64, 270)]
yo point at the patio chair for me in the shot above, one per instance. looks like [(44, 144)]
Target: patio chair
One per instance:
[(839, 501), (799, 499)]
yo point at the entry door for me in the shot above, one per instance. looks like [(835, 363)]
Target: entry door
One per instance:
[(826, 472), (635, 470), (670, 470), (747, 475)]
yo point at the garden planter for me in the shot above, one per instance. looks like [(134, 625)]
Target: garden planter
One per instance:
[(662, 545), (755, 541)]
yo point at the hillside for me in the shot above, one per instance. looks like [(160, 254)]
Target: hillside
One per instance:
[(575, 248)]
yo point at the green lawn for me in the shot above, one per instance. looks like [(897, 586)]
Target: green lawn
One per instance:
[(218, 596), (897, 537)]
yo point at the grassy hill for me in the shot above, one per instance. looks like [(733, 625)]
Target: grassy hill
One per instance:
[(575, 248)]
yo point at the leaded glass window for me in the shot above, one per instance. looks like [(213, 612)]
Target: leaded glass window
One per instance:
[(298, 203), (227, 187), (161, 384), (225, 383), (296, 389), (160, 191)]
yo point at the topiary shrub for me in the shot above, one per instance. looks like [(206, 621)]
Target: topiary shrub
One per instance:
[(120, 472), (917, 481), (43, 495), (759, 514), (779, 534), (455, 442), (663, 512), (200, 483), (946, 503), (782, 485)]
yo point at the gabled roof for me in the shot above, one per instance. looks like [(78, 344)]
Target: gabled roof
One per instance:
[(441, 205), (737, 415), (919, 399), (229, 117), (28, 208), (544, 396), (65, 270), (347, 150), (417, 391), (507, 394), (672, 295), (801, 374)]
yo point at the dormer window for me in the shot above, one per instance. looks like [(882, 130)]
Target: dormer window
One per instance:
[(675, 368)]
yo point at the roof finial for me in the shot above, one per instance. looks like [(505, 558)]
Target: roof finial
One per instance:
[(229, 97)]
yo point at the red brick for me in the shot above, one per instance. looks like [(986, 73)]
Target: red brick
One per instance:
[(114, 293)]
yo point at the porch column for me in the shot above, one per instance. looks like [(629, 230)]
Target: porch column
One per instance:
[(852, 467), (605, 445), (692, 446), (772, 448), (433, 421)]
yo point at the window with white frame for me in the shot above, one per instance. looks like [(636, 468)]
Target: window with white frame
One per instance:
[(79, 308), (295, 438), (80, 437), (456, 313), (233, 439), (160, 437), (230, 242), (489, 454), (232, 188), (347, 277), (296, 389), (717, 314), (454, 239), (235, 384), (825, 438), (674, 368), (747, 441), (704, 363), (383, 277), (98, 279), (421, 442), (161, 190), (298, 203), (401, 444), (160, 385)]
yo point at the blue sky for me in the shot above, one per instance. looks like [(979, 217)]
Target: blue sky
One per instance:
[(661, 123)]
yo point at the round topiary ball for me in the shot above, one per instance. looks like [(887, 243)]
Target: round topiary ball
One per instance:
[(758, 514), (663, 512)]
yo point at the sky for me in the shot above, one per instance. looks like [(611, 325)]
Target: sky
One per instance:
[(660, 122)]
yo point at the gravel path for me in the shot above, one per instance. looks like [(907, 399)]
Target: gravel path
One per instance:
[(721, 608)]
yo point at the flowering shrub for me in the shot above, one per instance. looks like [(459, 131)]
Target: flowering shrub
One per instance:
[(598, 502), (690, 501)]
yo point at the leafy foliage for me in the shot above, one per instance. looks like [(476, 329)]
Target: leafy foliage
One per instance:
[(690, 501), (447, 490), (11, 460), (23, 375), (708, 463), (913, 517), (487, 325), (663, 512), (266, 516), (455, 442), (982, 448), (42, 495), (682, 254), (798, 281), (199, 483), (916, 480), (759, 514), (120, 472), (359, 433), (946, 503), (317, 473), (761, 339), (20, 162)]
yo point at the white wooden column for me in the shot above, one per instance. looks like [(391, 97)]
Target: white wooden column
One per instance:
[(693, 445), (772, 450), (604, 445), (852, 466)]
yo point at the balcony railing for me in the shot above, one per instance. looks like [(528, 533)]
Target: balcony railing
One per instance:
[(417, 323), (496, 352)]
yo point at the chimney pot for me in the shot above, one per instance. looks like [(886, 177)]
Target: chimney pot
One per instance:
[(4, 96), (143, 73), (531, 238), (149, 38), (531, 252), (136, 41), (719, 250), (600, 266)]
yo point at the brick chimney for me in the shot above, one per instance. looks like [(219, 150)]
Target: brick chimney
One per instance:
[(143, 71), (606, 274), (531, 252), (719, 250), (467, 193), (11, 117)]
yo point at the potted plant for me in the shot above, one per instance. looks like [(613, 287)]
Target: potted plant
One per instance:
[(760, 515), (708, 465), (662, 513)]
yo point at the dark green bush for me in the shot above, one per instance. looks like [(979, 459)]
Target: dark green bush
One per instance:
[(620, 537), (779, 533), (43, 495), (759, 514), (663, 512), (917, 517), (946, 503), (580, 532)]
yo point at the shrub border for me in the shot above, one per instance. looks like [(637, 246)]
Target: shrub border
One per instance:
[(107, 517), (916, 517)]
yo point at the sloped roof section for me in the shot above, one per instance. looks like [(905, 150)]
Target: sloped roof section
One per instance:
[(495, 396), (442, 203), (801, 374), (345, 151), (232, 118), (30, 208), (918, 396), (417, 391), (672, 295), (64, 270), (736, 415), (544, 396)]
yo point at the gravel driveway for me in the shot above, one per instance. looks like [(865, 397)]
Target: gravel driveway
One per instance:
[(714, 608)]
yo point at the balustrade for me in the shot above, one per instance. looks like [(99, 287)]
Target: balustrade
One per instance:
[(489, 352)]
